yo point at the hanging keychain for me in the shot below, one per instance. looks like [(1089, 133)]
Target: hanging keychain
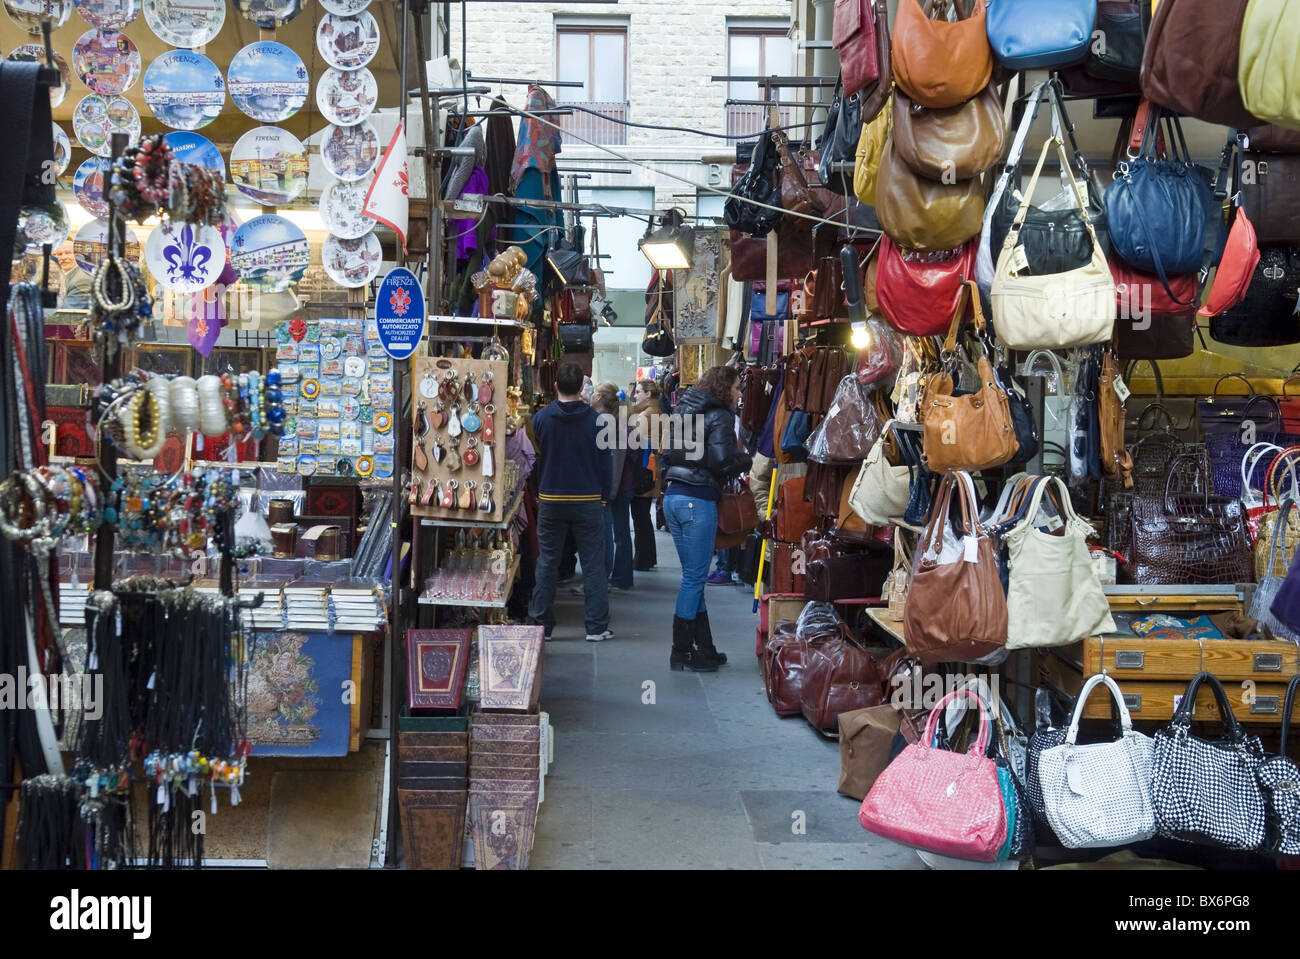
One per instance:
[(487, 459), (471, 422), (454, 425), (414, 496), (467, 496), (453, 456), (439, 414), (449, 495), (429, 385), (432, 494), (489, 418), (439, 451), (485, 388), (484, 500), (469, 387), (470, 458)]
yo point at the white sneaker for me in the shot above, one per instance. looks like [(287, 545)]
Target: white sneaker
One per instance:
[(735, 578), (600, 637)]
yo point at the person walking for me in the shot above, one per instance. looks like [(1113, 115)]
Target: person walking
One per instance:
[(618, 508), (572, 474), (703, 455), (645, 415)]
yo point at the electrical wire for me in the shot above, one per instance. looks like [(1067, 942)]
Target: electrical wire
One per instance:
[(703, 133)]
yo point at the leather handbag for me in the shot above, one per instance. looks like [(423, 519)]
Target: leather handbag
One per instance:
[(1267, 315), (871, 150), (794, 516), (918, 292), (865, 738), (944, 802), (939, 63), (796, 195), (1185, 538), (852, 423), (853, 34), (1099, 794), (795, 436), (852, 576), (956, 610), (900, 579), (1051, 311), (787, 575), (1236, 266), (1271, 195), (760, 182), (1289, 406), (1268, 53), (575, 337), (923, 214), (954, 143), (1224, 420), (1280, 543), (849, 526), (1029, 35), (1149, 323), (839, 141), (784, 670), (658, 337), (1023, 421), (1117, 58), (1271, 138), (1280, 779), (1190, 61), (737, 517), (1207, 791), (1115, 459), (881, 491)]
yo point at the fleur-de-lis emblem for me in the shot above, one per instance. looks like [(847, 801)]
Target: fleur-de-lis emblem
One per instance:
[(400, 301), (403, 182), (188, 258)]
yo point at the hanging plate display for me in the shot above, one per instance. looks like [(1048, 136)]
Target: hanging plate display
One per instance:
[(184, 89), (350, 153), (43, 224), (269, 14), (340, 208), (185, 258), (270, 165), (108, 14), (88, 185), (348, 43), (91, 245), (268, 81), (344, 8), (352, 263), (28, 14), (185, 23), (345, 97), (106, 61), (97, 118), (29, 52), (62, 150), (269, 253), (195, 148)]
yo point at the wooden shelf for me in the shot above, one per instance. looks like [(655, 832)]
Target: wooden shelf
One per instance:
[(479, 604), (503, 523)]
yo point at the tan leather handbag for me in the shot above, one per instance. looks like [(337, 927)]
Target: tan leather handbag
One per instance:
[(881, 491), (1116, 460), (955, 143), (923, 214), (971, 432), (938, 63), (871, 147)]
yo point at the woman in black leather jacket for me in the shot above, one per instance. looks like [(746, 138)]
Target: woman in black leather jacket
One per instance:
[(704, 454)]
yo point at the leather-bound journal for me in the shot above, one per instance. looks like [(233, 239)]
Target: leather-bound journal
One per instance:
[(436, 664)]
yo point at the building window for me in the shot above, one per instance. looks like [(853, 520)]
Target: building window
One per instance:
[(596, 57), (754, 52)]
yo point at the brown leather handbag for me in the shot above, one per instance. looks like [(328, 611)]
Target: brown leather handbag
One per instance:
[(784, 670), (737, 518), (923, 214), (796, 195), (1271, 198), (853, 34), (937, 63), (955, 143), (787, 576), (1115, 458), (840, 676), (1191, 57), (1271, 138), (852, 576), (794, 516), (849, 526)]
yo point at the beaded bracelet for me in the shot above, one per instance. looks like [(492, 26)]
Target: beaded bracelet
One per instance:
[(212, 415), (185, 404)]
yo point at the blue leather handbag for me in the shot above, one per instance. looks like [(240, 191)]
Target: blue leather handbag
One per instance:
[(797, 429), (1031, 34)]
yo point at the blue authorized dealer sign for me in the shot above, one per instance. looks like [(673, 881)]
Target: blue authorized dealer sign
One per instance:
[(399, 312)]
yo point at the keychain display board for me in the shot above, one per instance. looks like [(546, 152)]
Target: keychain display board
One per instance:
[(449, 396)]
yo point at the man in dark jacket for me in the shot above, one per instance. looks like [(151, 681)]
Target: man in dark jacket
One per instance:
[(572, 474)]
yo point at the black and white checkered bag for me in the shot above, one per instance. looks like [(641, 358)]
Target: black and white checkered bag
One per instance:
[(1280, 779), (1208, 791)]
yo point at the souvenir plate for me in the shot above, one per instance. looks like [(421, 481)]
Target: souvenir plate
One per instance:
[(350, 153), (28, 14), (269, 253), (91, 245), (340, 209), (344, 8), (269, 14), (348, 43), (184, 89), (188, 147), (88, 185), (62, 150), (185, 23), (106, 61), (36, 51), (352, 263), (97, 118), (270, 165), (268, 81), (345, 97), (108, 14), (43, 224), (185, 258)]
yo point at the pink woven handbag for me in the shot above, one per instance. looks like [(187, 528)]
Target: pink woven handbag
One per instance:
[(941, 801)]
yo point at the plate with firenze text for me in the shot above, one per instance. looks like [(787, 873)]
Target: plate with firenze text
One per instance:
[(106, 61), (185, 23), (268, 81), (184, 89), (195, 148)]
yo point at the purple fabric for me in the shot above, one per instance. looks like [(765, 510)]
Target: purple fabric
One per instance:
[(520, 449), (465, 232)]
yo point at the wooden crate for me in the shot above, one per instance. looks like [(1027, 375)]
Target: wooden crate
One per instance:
[(1156, 701), (1231, 660)]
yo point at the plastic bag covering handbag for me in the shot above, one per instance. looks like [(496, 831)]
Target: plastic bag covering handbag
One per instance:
[(922, 214), (1208, 791), (871, 149), (1280, 779), (761, 182), (936, 62), (881, 491), (853, 34), (1270, 584), (955, 143), (852, 423), (1058, 310), (1268, 314), (1055, 597), (1190, 62), (1099, 794), (944, 802), (956, 610), (1268, 53), (1031, 35), (918, 292)]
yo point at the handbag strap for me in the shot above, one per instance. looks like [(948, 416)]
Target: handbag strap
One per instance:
[(1284, 460), (1172, 471), (1252, 460), (1287, 705), (981, 744), (1013, 234), (932, 538), (1117, 697), (1279, 539), (1183, 715), (1231, 376)]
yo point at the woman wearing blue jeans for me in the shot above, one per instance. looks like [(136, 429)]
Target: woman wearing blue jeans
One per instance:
[(703, 456)]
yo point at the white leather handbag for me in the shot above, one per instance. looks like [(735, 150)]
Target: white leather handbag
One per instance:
[(880, 493), (1099, 794), (1057, 310)]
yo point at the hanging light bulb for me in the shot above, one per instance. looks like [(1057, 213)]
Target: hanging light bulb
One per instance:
[(861, 337)]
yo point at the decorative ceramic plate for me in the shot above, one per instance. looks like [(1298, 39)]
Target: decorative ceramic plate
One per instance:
[(97, 118), (348, 43), (185, 258), (268, 81), (350, 153), (352, 263), (62, 150), (108, 14), (345, 97), (91, 245), (28, 14), (185, 23), (106, 61), (88, 185), (270, 165), (195, 148), (36, 51), (269, 14), (269, 253), (184, 89), (340, 208), (43, 224)]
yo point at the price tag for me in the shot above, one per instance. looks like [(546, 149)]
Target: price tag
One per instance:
[(1075, 778), (970, 546), (1121, 390), (1019, 260), (1054, 523)]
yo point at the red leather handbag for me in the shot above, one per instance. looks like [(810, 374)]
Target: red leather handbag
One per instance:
[(1240, 257), (1136, 291), (854, 36), (918, 295), (1290, 407)]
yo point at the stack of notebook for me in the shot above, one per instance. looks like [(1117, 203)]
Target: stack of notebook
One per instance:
[(358, 607), (432, 789), (505, 776), (306, 606)]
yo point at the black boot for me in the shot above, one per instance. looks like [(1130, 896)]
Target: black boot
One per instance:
[(685, 655), (704, 639)]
